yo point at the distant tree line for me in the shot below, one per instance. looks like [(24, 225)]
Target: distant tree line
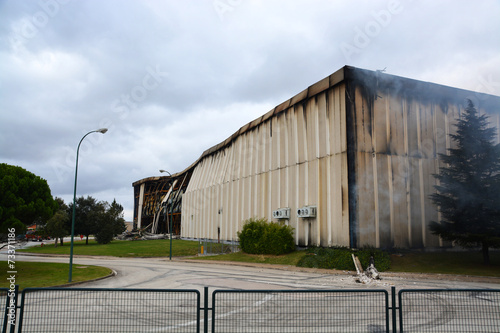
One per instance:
[(98, 218), (26, 199)]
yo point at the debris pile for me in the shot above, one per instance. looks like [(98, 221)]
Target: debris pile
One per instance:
[(141, 234), (367, 276)]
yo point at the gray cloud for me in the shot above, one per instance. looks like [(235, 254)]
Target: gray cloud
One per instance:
[(172, 78)]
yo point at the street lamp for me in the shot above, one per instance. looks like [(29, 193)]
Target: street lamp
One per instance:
[(171, 213), (101, 130)]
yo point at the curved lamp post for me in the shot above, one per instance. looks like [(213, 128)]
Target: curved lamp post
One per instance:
[(171, 214), (101, 130)]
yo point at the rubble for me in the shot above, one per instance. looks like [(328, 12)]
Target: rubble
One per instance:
[(141, 234), (370, 274)]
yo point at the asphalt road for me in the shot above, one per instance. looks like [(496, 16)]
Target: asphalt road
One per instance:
[(161, 273)]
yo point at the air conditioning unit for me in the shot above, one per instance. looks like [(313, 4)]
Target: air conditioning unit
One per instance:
[(306, 211), (281, 213)]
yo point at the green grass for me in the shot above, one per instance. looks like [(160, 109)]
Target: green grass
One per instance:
[(284, 259), (150, 248), (38, 274), (461, 263)]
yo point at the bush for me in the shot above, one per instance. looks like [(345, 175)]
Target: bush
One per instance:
[(341, 258), (260, 237)]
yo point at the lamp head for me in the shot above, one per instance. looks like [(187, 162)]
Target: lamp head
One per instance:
[(102, 130), (162, 171)]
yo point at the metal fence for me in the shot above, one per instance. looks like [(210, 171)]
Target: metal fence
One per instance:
[(172, 310), (213, 247), (444, 310), (4, 305), (109, 310), (237, 311)]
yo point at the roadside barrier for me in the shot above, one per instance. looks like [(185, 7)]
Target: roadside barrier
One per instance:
[(234, 311)]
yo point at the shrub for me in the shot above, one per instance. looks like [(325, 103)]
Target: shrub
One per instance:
[(341, 258), (258, 236)]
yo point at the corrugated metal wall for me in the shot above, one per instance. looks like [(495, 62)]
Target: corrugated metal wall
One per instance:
[(358, 145), (398, 137), (295, 158)]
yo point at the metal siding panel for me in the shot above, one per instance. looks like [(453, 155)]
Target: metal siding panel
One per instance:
[(274, 192), (290, 138), (245, 199), (292, 198), (323, 204), (365, 202), (399, 199), (322, 125), (234, 206), (227, 165), (364, 122), (281, 138), (440, 121), (337, 120), (312, 198), (239, 160), (253, 140), (427, 131), (269, 148), (244, 158), (338, 204), (383, 200), (343, 119), (301, 134), (256, 192), (301, 198), (376, 210), (311, 126), (265, 194), (345, 240), (396, 126), (274, 154), (414, 203), (283, 195), (223, 214), (413, 125), (261, 149), (380, 127), (431, 214), (241, 203)]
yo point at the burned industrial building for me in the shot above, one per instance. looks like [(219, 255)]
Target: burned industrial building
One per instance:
[(349, 161)]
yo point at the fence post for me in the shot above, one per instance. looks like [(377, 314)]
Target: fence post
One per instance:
[(394, 309), (205, 310), (12, 296)]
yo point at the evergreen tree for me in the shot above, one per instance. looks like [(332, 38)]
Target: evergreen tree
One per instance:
[(110, 222), (56, 226), (25, 198), (87, 214), (468, 194)]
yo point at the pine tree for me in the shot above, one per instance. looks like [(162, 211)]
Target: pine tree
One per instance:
[(468, 194)]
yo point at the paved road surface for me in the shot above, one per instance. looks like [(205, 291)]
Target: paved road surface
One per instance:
[(162, 273)]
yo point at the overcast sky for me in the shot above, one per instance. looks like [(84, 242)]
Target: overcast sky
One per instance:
[(170, 78)]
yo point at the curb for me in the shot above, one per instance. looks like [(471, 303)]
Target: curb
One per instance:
[(396, 275), (400, 275), (113, 273)]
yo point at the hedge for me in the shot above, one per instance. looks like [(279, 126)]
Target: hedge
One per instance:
[(258, 236)]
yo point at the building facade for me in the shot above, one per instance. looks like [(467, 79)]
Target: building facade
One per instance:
[(349, 161)]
